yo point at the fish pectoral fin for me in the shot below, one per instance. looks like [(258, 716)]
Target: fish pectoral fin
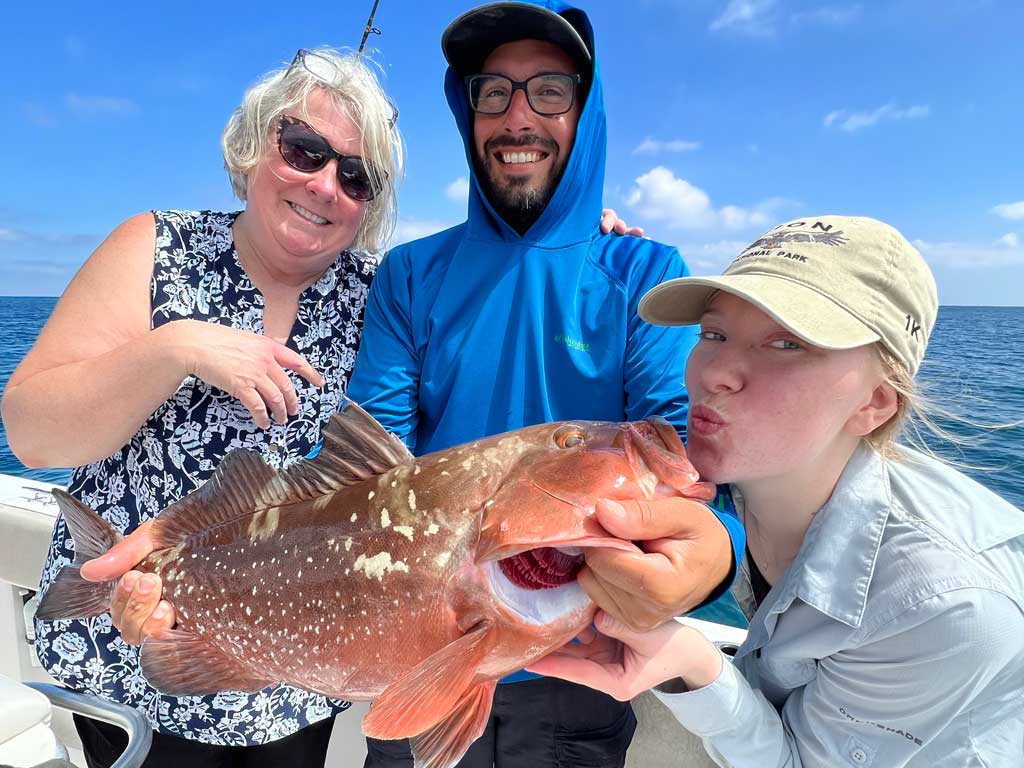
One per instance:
[(427, 693), (181, 664), (444, 745)]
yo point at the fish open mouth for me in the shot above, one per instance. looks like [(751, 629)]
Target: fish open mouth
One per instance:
[(542, 568)]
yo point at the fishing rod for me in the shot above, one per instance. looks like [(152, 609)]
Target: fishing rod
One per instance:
[(370, 29)]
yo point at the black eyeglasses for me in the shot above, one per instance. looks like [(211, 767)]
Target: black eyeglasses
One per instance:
[(548, 93), (306, 150), (325, 70)]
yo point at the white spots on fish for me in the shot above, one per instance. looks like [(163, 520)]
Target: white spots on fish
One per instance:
[(394, 483), (432, 529), (379, 565), (309, 559), (619, 481), (372, 494), (322, 502), (254, 591), (353, 518), (330, 542), (348, 546), (190, 588), (299, 574), (445, 473), (443, 558), (385, 518), (417, 470), (412, 500), (264, 524), (405, 530)]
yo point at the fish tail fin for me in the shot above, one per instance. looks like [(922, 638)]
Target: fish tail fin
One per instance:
[(70, 596)]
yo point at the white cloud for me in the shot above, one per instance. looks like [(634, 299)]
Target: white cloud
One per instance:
[(659, 195), (752, 17), (828, 15), (458, 190), (1013, 211), (971, 255), (711, 257), (97, 105), (413, 229), (1010, 240), (651, 146), (854, 121)]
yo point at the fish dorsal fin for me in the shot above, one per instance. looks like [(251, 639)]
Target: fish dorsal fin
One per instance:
[(179, 663), (355, 447), (430, 691), (241, 485), (444, 745)]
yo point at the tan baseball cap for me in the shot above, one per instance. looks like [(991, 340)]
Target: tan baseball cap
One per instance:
[(837, 282)]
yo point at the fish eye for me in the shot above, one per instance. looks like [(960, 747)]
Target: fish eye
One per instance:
[(571, 437)]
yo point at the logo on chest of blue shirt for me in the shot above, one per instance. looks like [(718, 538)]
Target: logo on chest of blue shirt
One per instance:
[(571, 342)]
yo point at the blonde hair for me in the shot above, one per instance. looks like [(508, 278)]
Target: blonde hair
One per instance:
[(356, 92), (919, 415)]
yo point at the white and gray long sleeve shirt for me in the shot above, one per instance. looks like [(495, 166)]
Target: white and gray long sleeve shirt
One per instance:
[(895, 638)]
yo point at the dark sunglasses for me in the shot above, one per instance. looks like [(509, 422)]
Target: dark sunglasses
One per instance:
[(307, 151)]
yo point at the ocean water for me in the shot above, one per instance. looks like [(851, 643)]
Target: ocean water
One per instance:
[(975, 366)]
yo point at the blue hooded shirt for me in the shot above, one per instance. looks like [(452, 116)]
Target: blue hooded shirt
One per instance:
[(479, 330)]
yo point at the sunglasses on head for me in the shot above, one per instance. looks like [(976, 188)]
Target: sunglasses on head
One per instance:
[(307, 151)]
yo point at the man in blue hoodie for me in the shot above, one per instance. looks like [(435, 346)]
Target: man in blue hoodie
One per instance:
[(526, 313)]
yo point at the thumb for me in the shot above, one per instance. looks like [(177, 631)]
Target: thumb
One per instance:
[(670, 517), (611, 627), (123, 556)]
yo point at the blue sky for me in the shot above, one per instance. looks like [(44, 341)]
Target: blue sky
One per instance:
[(725, 118)]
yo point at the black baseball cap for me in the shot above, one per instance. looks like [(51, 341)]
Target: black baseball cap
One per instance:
[(469, 40)]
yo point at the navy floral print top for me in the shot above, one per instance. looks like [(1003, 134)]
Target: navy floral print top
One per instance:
[(197, 275)]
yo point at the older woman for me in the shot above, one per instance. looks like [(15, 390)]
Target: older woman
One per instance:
[(190, 333), (885, 589)]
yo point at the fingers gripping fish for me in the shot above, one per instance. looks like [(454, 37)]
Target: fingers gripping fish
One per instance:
[(365, 573)]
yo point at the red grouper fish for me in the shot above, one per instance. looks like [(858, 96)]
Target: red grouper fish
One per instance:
[(365, 573)]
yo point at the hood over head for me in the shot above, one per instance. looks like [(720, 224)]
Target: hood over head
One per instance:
[(573, 211)]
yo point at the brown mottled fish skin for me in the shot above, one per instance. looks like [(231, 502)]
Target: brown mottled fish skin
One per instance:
[(365, 573)]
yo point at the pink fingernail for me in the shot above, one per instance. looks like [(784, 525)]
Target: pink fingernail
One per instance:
[(614, 508)]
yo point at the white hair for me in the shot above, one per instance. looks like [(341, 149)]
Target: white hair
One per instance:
[(356, 92)]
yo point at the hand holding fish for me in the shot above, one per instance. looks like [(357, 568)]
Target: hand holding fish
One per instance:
[(686, 554), (136, 608), (367, 573), (624, 663)]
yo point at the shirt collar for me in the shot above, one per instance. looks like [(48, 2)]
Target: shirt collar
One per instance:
[(833, 569)]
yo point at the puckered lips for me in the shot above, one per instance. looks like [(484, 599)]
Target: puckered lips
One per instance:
[(705, 421)]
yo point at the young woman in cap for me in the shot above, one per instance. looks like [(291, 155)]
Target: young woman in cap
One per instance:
[(885, 590)]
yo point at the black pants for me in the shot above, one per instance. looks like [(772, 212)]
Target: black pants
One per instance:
[(103, 744), (543, 723)]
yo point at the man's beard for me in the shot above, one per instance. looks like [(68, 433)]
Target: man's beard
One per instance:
[(516, 200)]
